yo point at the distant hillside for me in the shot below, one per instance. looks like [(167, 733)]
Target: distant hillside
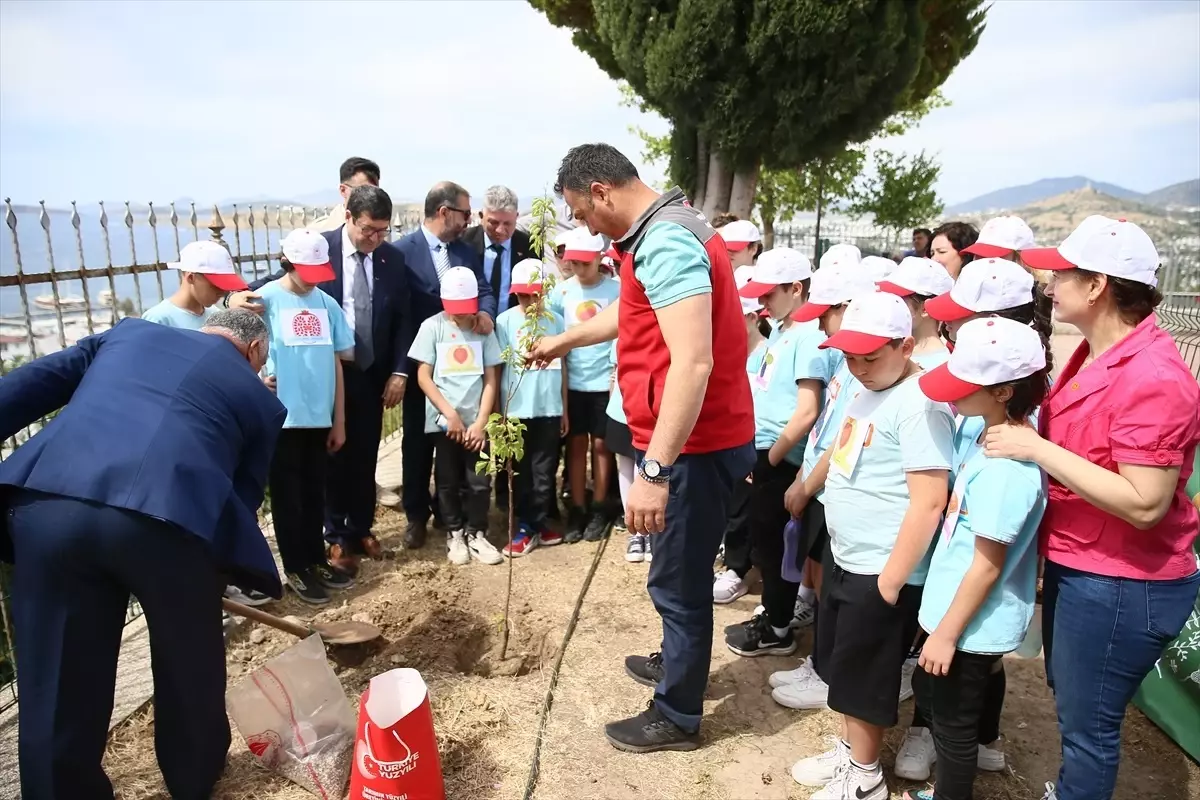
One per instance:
[(1052, 218), (1186, 195), (1019, 196)]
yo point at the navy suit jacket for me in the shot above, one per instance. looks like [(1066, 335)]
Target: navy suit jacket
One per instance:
[(392, 320), (170, 423), (522, 249)]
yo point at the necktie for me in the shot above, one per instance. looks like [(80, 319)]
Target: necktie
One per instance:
[(497, 265), (364, 349), (441, 260)]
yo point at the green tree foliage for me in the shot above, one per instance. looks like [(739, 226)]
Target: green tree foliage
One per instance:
[(900, 194), (776, 83)]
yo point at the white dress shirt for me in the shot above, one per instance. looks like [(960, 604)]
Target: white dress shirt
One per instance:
[(349, 267)]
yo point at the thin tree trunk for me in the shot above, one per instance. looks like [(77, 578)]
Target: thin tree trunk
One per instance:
[(820, 210), (718, 186), (741, 191), (512, 525), (768, 230), (700, 191)]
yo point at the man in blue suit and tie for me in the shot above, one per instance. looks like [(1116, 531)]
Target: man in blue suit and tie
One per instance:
[(428, 252), (371, 285), (148, 483)]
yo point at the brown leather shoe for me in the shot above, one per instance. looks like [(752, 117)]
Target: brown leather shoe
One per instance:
[(372, 547), (343, 560)]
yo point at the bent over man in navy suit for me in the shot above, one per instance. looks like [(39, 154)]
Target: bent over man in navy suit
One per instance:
[(147, 483), (429, 251), (371, 285)]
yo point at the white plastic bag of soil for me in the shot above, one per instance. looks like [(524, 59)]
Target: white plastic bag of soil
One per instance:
[(296, 719)]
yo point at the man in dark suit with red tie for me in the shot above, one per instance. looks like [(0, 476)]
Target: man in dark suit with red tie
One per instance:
[(371, 284), (428, 252)]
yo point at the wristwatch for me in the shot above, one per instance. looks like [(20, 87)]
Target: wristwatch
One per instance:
[(653, 472)]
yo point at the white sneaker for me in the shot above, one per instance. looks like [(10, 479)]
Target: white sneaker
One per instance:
[(906, 673), (804, 614), (855, 783), (635, 549), (483, 550), (386, 497), (991, 758), (810, 693), (797, 675), (1050, 793), (456, 546), (820, 769), (728, 587), (914, 761)]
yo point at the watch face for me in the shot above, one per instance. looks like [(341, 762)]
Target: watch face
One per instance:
[(651, 468)]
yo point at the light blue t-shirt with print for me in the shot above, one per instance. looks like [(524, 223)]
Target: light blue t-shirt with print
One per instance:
[(458, 358), (171, 315), (1001, 500), (843, 387), (307, 334), (883, 436), (615, 410), (538, 391), (588, 367), (672, 265), (791, 356)]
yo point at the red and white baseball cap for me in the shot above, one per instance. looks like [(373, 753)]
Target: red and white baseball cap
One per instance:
[(460, 291), (527, 277), (580, 245), (833, 284), (990, 351), (775, 267), (840, 254), (213, 262), (1114, 247), (870, 322), (1002, 236), (308, 252), (984, 285), (739, 234), (878, 267), (916, 275), (741, 277)]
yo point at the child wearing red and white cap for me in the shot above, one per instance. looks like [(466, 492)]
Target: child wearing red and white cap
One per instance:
[(742, 241), (577, 299), (887, 486), (459, 372), (206, 273), (981, 588), (918, 280), (309, 339)]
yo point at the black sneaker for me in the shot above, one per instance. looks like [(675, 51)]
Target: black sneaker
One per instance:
[(577, 520), (307, 587), (598, 525), (646, 670), (649, 732), (760, 639), (332, 578), (414, 535), (750, 623)]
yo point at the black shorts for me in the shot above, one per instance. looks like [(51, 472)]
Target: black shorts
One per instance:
[(587, 413), (618, 439), (862, 643), (816, 532)]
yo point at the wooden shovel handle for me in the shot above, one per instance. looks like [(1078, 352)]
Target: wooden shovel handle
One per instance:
[(278, 623)]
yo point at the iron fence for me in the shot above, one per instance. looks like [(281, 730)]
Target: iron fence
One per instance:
[(92, 271)]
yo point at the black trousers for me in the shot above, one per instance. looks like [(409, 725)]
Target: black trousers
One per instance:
[(77, 562), (993, 706), (297, 481), (350, 489), (737, 529), (535, 482), (955, 703), (463, 494), (768, 518), (416, 453)]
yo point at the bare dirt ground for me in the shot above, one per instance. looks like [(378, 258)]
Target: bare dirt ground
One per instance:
[(445, 621)]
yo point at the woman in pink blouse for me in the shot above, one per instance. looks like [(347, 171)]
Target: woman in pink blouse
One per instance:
[(1118, 435)]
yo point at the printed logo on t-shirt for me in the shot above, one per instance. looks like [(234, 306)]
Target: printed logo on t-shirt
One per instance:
[(831, 395), (306, 327), (460, 358), (585, 310), (765, 370)]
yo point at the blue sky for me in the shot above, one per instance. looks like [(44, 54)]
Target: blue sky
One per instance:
[(163, 100)]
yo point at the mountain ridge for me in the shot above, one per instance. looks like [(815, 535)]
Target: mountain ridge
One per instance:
[(1186, 194)]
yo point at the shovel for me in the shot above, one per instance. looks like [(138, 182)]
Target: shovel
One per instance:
[(331, 633)]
